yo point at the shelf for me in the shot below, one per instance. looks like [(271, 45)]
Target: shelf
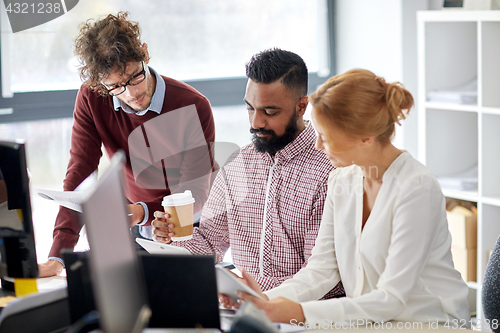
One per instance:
[(493, 201), (462, 107), (492, 111), (461, 195), (459, 15), (453, 107), (455, 48)]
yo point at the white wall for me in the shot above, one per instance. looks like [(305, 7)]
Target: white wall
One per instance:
[(369, 36), (381, 35)]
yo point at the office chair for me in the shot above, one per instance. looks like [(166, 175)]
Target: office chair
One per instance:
[(491, 289)]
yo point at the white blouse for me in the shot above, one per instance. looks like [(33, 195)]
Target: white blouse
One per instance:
[(399, 267)]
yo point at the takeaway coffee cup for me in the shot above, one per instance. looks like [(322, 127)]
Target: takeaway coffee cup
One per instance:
[(180, 208)]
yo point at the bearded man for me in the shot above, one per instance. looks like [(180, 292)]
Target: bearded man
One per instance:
[(267, 201)]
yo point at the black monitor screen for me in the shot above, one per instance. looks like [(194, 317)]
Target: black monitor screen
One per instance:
[(17, 241)]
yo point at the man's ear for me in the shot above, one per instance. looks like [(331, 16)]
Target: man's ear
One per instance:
[(302, 105), (145, 47)]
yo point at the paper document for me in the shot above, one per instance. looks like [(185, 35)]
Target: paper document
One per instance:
[(68, 199)]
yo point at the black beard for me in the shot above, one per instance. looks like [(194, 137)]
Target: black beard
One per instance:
[(275, 143)]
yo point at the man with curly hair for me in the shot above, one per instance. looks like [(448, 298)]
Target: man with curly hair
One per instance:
[(164, 126)]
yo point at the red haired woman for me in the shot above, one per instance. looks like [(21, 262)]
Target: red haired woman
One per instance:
[(384, 232)]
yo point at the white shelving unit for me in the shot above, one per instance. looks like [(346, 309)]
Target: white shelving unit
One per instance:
[(455, 47)]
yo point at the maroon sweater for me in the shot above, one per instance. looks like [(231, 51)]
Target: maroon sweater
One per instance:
[(96, 123)]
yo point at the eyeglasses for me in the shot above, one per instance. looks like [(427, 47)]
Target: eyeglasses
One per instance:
[(134, 80)]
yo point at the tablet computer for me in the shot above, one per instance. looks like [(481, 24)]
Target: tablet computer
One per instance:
[(228, 284), (160, 248)]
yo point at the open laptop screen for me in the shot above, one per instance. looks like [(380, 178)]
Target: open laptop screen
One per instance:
[(117, 280)]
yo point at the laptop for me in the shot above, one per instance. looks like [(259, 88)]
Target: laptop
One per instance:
[(160, 248), (117, 280), (170, 308), (182, 289)]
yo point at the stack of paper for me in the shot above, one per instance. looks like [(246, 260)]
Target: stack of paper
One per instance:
[(465, 181), (464, 94)]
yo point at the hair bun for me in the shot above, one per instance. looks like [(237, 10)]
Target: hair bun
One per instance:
[(398, 100)]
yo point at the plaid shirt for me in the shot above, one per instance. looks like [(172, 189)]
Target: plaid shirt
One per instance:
[(267, 208)]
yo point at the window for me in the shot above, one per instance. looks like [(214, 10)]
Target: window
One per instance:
[(205, 42), (187, 40)]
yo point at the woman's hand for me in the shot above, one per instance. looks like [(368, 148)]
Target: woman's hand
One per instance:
[(250, 281), (278, 310), (226, 301)]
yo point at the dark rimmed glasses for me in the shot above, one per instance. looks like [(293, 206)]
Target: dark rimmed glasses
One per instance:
[(134, 80)]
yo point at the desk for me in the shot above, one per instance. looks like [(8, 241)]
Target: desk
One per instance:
[(59, 313), (46, 311), (51, 283), (43, 285)]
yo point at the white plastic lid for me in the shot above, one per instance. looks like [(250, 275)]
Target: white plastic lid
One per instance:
[(178, 199)]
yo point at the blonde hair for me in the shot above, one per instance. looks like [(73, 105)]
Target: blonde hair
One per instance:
[(360, 103)]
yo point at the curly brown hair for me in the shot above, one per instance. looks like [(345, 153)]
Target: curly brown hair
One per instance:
[(105, 45)]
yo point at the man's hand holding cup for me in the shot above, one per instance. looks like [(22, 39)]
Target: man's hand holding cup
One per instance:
[(176, 223), (162, 228)]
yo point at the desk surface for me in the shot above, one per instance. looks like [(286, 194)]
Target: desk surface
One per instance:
[(51, 283), (43, 285), (56, 282)]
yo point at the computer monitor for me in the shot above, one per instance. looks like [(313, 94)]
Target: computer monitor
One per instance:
[(17, 240)]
